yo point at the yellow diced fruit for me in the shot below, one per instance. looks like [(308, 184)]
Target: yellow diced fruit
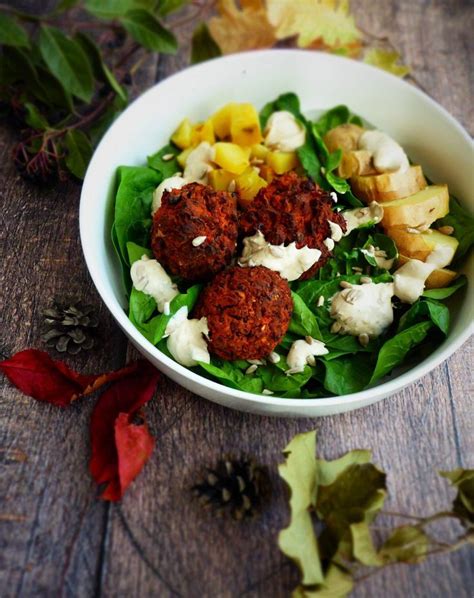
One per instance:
[(248, 184), (245, 125), (220, 179), (231, 157), (203, 132), (259, 151), (182, 137), (267, 173), (282, 162), (183, 156), (221, 120)]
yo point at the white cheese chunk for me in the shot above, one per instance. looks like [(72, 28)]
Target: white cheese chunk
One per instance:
[(363, 309), (387, 154), (361, 217), (288, 260), (186, 341), (303, 352), (149, 277), (199, 163), (283, 132)]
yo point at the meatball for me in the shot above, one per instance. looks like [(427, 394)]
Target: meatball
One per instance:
[(293, 209), (248, 311), (194, 232)]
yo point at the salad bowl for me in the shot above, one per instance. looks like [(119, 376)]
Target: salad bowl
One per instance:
[(430, 136)]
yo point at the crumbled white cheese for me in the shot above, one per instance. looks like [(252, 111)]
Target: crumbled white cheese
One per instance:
[(387, 154), (186, 341), (368, 216), (409, 280), (150, 277), (333, 196), (198, 240), (283, 132), (172, 182), (363, 309), (198, 163), (329, 243), (302, 351), (288, 260), (336, 231)]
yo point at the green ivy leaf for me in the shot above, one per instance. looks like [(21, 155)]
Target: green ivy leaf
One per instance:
[(165, 7), (406, 544), (100, 69), (337, 584), (463, 481), (79, 152), (67, 62), (148, 31), (34, 118), (363, 548), (111, 9), (203, 45), (298, 541), (11, 33)]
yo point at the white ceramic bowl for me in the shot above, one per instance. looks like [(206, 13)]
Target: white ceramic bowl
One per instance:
[(428, 133)]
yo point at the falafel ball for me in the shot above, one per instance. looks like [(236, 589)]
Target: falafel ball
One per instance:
[(248, 312), (194, 231), (292, 208)]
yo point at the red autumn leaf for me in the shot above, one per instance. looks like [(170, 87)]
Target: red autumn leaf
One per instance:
[(120, 448), (45, 379)]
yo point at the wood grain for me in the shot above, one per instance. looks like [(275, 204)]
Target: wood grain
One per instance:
[(58, 540)]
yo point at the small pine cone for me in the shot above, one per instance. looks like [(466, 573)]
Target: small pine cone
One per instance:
[(235, 486), (69, 327)]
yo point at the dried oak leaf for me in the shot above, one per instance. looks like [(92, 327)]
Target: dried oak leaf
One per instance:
[(45, 379), (329, 21), (386, 60), (120, 447), (237, 29)]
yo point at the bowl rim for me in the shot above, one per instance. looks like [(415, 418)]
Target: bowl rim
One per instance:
[(386, 388)]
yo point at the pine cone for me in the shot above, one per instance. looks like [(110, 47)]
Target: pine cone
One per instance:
[(238, 486), (69, 327)]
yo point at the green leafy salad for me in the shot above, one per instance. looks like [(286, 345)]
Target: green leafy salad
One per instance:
[(376, 301)]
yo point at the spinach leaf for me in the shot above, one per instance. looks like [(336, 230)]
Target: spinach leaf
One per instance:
[(384, 243), (339, 115), (230, 375), (274, 377), (166, 168), (286, 101), (446, 291), (395, 349), (347, 374), (133, 206), (463, 224), (303, 321), (423, 310)]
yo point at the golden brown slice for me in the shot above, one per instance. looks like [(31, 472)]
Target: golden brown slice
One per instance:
[(437, 279), (344, 137), (388, 185), (356, 163), (419, 245), (420, 209)]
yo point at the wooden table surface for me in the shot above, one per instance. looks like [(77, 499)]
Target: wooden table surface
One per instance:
[(58, 539)]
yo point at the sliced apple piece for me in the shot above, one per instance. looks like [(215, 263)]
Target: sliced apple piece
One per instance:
[(437, 279), (358, 163), (420, 209), (388, 185), (418, 246)]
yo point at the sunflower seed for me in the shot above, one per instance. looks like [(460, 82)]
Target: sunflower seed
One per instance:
[(345, 284), (364, 339), (167, 157), (251, 369), (446, 230)]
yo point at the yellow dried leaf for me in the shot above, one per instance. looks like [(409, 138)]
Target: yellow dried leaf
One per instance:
[(386, 60), (310, 20), (236, 30)]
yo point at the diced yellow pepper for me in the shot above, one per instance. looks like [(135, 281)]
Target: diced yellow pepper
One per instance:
[(267, 173), (245, 125), (282, 162), (259, 151), (231, 157), (221, 120), (248, 185), (182, 137), (220, 179), (183, 156)]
